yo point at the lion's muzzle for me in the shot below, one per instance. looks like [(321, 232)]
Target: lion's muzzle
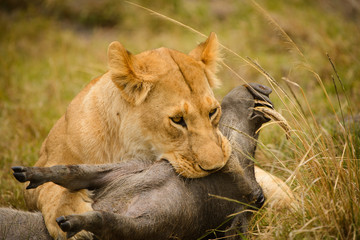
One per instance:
[(209, 157)]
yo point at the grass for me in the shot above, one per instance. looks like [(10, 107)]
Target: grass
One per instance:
[(51, 49)]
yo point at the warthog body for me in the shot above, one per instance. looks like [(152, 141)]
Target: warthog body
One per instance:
[(138, 200), (21, 225)]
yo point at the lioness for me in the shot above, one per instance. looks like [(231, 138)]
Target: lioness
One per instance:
[(154, 105), (139, 200)]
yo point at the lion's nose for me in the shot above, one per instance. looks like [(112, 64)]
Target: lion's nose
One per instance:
[(211, 156), (211, 170)]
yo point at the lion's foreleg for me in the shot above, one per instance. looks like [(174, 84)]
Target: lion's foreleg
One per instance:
[(54, 201)]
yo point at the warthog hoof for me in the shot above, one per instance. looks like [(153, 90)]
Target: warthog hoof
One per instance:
[(68, 225), (20, 173), (23, 174)]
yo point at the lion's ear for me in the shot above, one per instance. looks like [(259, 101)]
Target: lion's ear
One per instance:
[(208, 53), (134, 86)]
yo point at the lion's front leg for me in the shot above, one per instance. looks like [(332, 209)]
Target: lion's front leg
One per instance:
[(55, 201)]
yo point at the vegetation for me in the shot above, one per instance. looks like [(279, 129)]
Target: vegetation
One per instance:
[(307, 51)]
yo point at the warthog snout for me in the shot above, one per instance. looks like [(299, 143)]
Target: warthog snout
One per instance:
[(259, 199)]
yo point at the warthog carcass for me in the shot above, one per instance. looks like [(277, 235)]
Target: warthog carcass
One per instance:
[(138, 200)]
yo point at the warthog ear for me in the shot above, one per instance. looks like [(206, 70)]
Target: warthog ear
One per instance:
[(134, 86), (208, 53)]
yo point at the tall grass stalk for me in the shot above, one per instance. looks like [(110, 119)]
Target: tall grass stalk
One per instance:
[(321, 163)]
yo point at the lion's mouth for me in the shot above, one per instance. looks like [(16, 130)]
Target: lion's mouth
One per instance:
[(209, 171), (186, 168)]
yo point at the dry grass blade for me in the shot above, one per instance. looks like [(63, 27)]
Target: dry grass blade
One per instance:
[(341, 83), (277, 26), (232, 200), (167, 18), (198, 32), (304, 120)]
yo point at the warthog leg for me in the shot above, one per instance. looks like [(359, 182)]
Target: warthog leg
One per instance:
[(74, 177), (101, 223), (73, 224)]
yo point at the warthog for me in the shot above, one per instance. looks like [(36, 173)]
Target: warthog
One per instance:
[(140, 200)]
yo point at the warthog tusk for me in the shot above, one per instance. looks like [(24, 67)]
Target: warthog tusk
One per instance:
[(263, 103), (274, 115)]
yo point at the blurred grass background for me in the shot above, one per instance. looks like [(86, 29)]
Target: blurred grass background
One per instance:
[(50, 49)]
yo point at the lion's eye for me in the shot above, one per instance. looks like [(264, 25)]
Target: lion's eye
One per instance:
[(179, 121), (212, 112)]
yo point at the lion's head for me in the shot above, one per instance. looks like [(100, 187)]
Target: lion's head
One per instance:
[(171, 91)]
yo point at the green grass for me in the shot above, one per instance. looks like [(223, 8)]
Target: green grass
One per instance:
[(51, 49)]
